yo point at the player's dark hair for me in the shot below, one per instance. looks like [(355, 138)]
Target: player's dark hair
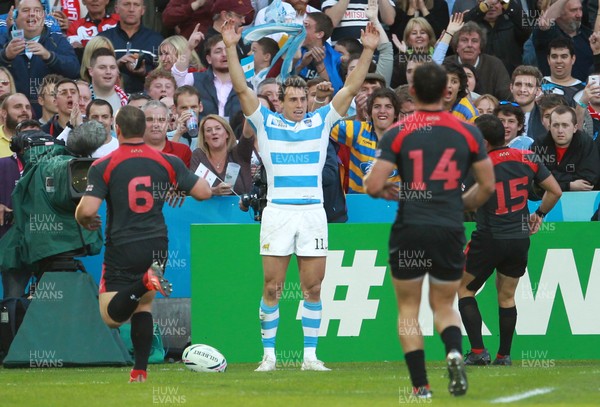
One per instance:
[(293, 81), (563, 110), (98, 102), (429, 82), (383, 93), (492, 129), (131, 121)]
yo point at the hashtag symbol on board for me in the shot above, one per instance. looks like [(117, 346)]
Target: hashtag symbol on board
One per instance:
[(352, 310)]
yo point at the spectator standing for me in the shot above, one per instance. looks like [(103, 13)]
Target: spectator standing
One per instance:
[(38, 54), (136, 47), (98, 19), (349, 16), (185, 14), (492, 77), (570, 155), (104, 74), (563, 18), (506, 28), (157, 121)]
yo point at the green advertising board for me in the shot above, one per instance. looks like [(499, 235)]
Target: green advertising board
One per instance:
[(558, 300)]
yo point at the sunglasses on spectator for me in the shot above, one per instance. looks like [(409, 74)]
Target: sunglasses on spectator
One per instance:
[(506, 102)]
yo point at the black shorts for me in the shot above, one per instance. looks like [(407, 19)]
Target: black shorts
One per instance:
[(126, 263), (416, 250), (484, 254)]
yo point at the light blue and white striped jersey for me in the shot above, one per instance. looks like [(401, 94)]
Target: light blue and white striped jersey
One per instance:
[(294, 153)]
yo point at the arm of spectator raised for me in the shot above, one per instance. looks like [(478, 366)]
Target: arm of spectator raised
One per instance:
[(441, 48), (341, 101), (336, 12), (386, 10), (247, 97), (548, 17)]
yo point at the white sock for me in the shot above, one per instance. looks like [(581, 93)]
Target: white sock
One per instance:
[(270, 353), (310, 354)]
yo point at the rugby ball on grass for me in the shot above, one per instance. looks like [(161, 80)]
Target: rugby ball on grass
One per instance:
[(203, 358)]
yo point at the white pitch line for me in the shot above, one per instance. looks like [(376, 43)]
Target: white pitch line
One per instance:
[(521, 396)]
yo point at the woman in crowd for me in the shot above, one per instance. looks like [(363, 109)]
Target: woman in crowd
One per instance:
[(7, 82), (486, 104), (170, 51), (434, 11), (217, 148)]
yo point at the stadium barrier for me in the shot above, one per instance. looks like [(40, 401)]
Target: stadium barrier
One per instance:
[(557, 299), (572, 207)]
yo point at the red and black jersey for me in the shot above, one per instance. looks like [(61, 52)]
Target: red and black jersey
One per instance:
[(433, 152), (135, 180), (505, 214)]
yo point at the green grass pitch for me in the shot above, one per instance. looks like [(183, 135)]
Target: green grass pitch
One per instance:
[(568, 383)]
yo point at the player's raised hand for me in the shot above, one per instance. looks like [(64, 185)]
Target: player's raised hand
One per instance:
[(230, 34), (324, 90), (370, 37)]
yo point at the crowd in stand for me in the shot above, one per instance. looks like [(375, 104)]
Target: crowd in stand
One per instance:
[(65, 63)]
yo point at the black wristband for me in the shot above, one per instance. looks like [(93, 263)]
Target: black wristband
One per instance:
[(539, 213)]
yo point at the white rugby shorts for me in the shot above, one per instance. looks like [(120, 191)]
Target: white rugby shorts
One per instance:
[(289, 229)]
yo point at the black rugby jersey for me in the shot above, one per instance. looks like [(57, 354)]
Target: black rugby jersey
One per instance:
[(505, 215), (135, 180), (433, 151)]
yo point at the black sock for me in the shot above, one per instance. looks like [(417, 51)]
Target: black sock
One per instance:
[(452, 338), (415, 361), (126, 301), (142, 330), (508, 321), (471, 318)]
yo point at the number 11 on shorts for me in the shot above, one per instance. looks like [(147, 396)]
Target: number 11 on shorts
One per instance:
[(319, 244)]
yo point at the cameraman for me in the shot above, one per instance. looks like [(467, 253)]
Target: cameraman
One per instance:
[(11, 168), (44, 227)]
